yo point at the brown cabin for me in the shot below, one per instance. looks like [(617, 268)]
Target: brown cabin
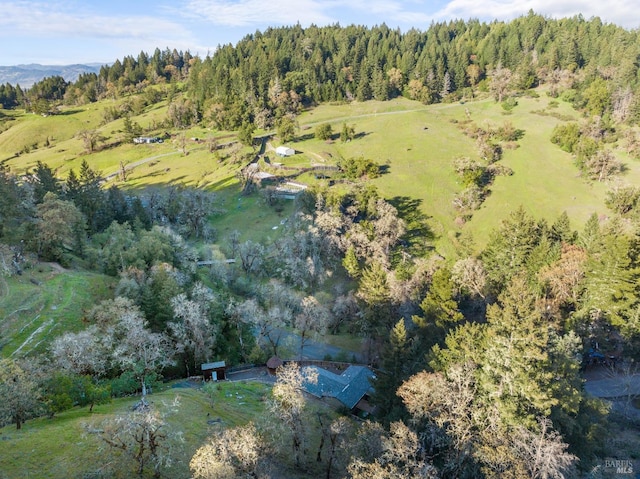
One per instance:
[(214, 371)]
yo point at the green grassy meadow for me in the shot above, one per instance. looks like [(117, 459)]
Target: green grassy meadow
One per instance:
[(545, 181), (419, 143), (250, 216), (415, 143), (62, 448), (45, 302)]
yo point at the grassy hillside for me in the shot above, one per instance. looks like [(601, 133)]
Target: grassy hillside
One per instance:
[(416, 143), (24, 143), (545, 180), (62, 448), (45, 302)]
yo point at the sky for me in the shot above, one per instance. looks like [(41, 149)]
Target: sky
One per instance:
[(61, 32)]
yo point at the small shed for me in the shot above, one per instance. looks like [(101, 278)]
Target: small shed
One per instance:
[(273, 364), (214, 371), (285, 151), (146, 139)]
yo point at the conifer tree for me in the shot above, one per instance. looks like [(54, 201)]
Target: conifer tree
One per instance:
[(44, 180), (439, 305), (374, 291), (514, 373), (509, 247), (395, 367)]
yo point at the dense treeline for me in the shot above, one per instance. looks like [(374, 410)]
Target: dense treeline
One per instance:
[(267, 70), (83, 209), (270, 74), (126, 76), (335, 63)]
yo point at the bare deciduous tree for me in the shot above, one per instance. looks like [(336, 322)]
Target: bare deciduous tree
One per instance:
[(90, 139), (19, 393), (337, 433), (268, 325), (447, 402), (602, 165), (106, 313), (313, 318), (143, 437), (193, 330), (81, 353), (401, 458), (251, 255), (196, 207), (388, 228), (543, 453), (622, 100), (469, 274), (524, 453), (345, 308), (138, 349), (212, 143), (500, 82), (564, 277), (289, 403), (230, 454), (182, 113)]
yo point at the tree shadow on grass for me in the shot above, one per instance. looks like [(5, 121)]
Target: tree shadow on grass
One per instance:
[(223, 183), (418, 236), (68, 112), (305, 137), (360, 135), (178, 181)]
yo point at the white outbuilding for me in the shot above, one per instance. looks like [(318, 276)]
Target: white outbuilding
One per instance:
[(285, 151)]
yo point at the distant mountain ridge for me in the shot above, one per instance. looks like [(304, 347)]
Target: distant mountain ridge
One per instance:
[(27, 75)]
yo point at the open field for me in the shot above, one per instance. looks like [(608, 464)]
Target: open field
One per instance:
[(250, 216), (419, 143), (415, 143), (65, 448), (66, 152), (45, 302), (545, 181), (61, 448)]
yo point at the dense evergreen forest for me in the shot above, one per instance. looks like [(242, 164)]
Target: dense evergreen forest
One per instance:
[(479, 355), (268, 74)]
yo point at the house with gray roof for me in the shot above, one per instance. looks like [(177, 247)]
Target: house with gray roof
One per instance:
[(350, 389)]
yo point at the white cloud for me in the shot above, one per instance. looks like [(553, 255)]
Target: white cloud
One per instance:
[(39, 19), (69, 32), (621, 12), (391, 12), (259, 12)]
